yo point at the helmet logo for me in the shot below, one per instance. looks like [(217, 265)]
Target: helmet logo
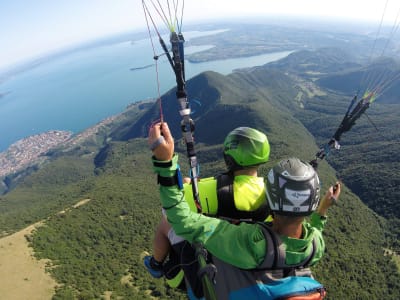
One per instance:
[(297, 197)]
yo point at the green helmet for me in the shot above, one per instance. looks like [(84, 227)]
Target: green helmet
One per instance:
[(245, 147), (293, 188)]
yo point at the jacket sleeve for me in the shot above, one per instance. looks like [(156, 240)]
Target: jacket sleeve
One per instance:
[(241, 245), (317, 224), (317, 221)]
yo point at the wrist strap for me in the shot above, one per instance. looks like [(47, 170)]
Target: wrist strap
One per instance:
[(172, 180), (161, 164), (167, 181)]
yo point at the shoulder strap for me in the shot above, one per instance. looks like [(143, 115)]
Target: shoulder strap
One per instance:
[(275, 257), (226, 203)]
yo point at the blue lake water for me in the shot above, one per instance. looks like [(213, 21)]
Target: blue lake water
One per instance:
[(79, 89)]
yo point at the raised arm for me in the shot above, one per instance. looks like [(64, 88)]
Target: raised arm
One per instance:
[(243, 245), (331, 197)]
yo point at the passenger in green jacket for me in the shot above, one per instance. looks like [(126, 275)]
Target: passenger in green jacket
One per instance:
[(236, 195), (289, 242)]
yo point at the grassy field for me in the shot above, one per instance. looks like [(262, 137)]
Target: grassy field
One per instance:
[(22, 276), (395, 257)]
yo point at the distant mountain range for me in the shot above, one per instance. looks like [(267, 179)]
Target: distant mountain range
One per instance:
[(323, 61), (370, 148), (298, 102)]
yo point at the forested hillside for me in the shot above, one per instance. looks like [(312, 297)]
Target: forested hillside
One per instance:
[(95, 248), (369, 157)]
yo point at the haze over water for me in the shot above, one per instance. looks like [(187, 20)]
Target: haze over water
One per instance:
[(80, 88)]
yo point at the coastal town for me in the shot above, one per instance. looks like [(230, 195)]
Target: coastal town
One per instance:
[(30, 150), (23, 152)]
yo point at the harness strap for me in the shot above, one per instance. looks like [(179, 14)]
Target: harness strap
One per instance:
[(275, 257), (226, 203)]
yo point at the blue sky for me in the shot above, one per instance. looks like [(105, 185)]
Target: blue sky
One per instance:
[(30, 28)]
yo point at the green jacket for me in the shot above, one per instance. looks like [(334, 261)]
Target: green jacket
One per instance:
[(242, 245)]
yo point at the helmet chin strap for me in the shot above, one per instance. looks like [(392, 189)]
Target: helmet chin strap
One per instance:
[(231, 164)]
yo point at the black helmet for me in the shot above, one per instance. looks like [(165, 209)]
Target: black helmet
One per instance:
[(245, 147), (293, 188)]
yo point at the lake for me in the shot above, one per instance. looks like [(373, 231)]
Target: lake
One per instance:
[(82, 87)]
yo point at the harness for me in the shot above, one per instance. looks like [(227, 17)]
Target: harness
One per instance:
[(275, 259), (271, 271), (272, 279)]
